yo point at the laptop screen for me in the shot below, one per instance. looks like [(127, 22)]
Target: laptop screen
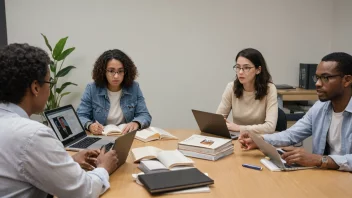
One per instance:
[(64, 122)]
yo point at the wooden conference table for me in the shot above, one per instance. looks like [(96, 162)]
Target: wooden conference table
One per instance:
[(232, 180)]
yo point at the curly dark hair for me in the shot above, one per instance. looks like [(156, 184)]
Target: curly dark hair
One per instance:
[(344, 62), (99, 70), (20, 65), (261, 80)]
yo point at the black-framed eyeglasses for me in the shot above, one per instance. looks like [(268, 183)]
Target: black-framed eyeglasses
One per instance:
[(112, 73), (325, 78), (245, 69)]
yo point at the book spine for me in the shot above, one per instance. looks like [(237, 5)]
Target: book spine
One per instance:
[(198, 155), (196, 149), (204, 150), (207, 157), (303, 76)]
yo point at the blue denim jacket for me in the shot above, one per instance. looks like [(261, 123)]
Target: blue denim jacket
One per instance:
[(95, 105), (316, 123)]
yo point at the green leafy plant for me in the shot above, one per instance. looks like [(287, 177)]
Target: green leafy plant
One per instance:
[(58, 57)]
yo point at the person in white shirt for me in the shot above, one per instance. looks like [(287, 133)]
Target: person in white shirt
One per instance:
[(33, 161)]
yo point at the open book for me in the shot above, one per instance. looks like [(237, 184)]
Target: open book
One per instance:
[(168, 158), (153, 133), (112, 129)]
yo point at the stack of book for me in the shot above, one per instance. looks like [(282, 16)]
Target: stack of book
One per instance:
[(204, 147)]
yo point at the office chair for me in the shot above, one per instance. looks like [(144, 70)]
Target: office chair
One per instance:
[(281, 123)]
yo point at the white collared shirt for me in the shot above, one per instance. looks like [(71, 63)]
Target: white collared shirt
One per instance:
[(34, 162)]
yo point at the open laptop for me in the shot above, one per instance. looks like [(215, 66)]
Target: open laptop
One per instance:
[(69, 130), (122, 146), (214, 124), (274, 154)]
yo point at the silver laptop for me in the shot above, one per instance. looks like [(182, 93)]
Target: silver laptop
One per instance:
[(69, 130), (214, 124), (274, 154)]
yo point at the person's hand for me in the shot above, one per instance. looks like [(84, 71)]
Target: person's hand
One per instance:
[(86, 158), (107, 160), (300, 156), (232, 126), (96, 128), (130, 127), (246, 142)]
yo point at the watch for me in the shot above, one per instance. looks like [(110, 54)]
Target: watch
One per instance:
[(87, 125), (324, 162)]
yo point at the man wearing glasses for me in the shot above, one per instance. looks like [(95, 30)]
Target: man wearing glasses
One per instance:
[(329, 121)]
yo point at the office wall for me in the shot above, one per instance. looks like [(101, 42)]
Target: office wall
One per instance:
[(184, 50), (342, 26), (3, 33)]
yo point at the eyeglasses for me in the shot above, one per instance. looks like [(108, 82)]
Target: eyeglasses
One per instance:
[(51, 82), (325, 78), (112, 73), (244, 69)]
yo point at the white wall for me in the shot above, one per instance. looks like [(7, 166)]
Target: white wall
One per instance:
[(342, 26), (184, 50)]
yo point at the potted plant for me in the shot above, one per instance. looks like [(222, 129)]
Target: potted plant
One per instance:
[(57, 71)]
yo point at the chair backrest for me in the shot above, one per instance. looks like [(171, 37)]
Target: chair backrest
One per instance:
[(281, 124)]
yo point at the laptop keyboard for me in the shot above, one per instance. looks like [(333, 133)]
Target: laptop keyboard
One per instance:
[(108, 146), (85, 143)]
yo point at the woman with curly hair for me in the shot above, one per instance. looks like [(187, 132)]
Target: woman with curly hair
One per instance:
[(114, 97), (252, 97)]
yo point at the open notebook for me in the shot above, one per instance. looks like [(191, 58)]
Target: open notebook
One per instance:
[(112, 129), (169, 158)]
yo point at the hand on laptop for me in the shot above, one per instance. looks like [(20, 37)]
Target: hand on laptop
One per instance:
[(96, 128), (300, 156), (232, 126), (246, 142), (130, 127), (107, 160), (86, 159)]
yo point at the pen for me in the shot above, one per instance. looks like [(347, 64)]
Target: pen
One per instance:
[(96, 121), (252, 167)]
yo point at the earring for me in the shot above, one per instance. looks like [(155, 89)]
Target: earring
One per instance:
[(36, 95)]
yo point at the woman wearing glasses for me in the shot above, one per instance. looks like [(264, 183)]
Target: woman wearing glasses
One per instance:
[(114, 97), (252, 97)]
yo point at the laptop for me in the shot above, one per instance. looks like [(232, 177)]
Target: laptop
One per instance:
[(69, 130), (122, 146), (274, 154), (214, 124)]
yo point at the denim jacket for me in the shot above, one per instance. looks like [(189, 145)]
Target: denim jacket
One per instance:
[(316, 123), (95, 105)]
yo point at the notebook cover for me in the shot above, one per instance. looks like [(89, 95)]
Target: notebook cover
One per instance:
[(174, 180)]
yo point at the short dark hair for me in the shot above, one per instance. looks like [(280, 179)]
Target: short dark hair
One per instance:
[(344, 62), (20, 65), (261, 80), (99, 70)]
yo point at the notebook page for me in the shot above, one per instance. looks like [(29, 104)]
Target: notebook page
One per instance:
[(174, 157), (145, 133), (163, 133), (148, 152)]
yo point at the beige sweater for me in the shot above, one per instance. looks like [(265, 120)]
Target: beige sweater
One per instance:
[(259, 116)]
